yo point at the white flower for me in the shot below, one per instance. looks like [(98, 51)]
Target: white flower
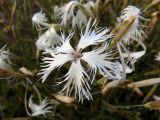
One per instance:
[(50, 37), (68, 13), (65, 12), (131, 58), (78, 77), (157, 57), (41, 109), (135, 31), (5, 59), (80, 18), (39, 19), (134, 56)]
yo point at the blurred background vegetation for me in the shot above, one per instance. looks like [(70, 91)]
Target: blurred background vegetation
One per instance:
[(16, 30)]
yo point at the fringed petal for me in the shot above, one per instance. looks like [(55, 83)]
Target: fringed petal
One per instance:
[(99, 59), (93, 35), (51, 63), (76, 78)]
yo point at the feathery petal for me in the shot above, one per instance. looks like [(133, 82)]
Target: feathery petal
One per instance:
[(128, 12), (129, 69), (99, 59), (65, 46), (60, 56), (134, 56), (76, 78), (92, 35), (51, 64), (131, 58)]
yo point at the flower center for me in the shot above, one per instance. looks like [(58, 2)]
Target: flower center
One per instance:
[(77, 54)]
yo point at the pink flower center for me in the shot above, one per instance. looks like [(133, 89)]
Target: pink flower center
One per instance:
[(77, 54)]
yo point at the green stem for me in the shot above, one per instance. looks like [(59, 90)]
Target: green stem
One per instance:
[(128, 107), (150, 93)]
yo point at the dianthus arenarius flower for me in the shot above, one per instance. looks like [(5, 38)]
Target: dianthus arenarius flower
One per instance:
[(5, 59), (50, 37), (40, 109), (78, 77), (136, 29), (134, 33), (74, 12)]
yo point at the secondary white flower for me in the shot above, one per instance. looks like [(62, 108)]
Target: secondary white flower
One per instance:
[(134, 56), (50, 37), (5, 59), (157, 57), (65, 12), (135, 31), (77, 77), (80, 18), (39, 19), (68, 13), (131, 58), (40, 109)]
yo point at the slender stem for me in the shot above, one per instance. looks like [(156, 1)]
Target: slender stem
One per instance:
[(150, 93), (128, 107), (36, 90), (25, 102), (122, 60)]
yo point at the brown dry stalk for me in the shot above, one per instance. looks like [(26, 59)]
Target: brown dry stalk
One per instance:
[(138, 91), (11, 73), (119, 83), (113, 84), (26, 71), (152, 4), (151, 24), (144, 83), (65, 99)]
